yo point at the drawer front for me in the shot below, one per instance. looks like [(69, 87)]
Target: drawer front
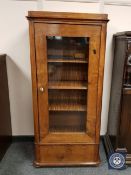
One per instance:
[(60, 155)]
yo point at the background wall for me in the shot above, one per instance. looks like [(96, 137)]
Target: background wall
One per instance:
[(14, 41)]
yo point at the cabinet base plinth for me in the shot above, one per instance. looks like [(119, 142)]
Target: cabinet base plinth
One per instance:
[(67, 155), (71, 164)]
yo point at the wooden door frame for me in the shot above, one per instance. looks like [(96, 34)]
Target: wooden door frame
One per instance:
[(94, 35)]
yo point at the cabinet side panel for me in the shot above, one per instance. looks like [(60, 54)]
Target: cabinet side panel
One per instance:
[(100, 79), (34, 80), (116, 87)]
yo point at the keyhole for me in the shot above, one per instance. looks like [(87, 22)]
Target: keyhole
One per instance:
[(94, 51)]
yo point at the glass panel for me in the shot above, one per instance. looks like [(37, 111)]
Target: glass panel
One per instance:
[(67, 48), (67, 121), (127, 74), (67, 83)]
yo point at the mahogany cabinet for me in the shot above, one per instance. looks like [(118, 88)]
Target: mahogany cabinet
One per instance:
[(5, 118), (119, 123), (67, 60)]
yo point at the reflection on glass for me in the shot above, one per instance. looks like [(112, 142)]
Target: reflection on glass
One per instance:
[(68, 48), (127, 73), (67, 83), (70, 121), (127, 78)]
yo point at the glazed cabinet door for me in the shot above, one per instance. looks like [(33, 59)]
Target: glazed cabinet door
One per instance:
[(67, 61)]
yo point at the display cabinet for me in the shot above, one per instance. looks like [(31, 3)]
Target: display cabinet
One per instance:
[(67, 61), (118, 135)]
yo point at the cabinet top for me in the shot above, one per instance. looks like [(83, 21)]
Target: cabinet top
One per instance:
[(2, 54), (66, 15), (123, 34)]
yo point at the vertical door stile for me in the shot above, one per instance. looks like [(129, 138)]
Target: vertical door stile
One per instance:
[(42, 76), (93, 84)]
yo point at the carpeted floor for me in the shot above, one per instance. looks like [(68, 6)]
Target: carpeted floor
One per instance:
[(19, 157)]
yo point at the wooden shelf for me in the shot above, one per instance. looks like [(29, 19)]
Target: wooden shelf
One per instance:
[(66, 60), (67, 107), (67, 85), (127, 86), (67, 129), (127, 91)]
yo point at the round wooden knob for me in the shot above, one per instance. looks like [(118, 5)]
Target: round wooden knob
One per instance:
[(41, 89)]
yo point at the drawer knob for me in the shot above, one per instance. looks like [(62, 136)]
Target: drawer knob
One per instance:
[(41, 89)]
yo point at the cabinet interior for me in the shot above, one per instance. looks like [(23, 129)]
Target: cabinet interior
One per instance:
[(67, 83)]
